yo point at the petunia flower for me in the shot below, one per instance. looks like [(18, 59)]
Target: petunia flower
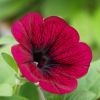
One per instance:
[(49, 52)]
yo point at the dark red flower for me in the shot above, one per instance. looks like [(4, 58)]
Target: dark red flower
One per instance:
[(55, 46)]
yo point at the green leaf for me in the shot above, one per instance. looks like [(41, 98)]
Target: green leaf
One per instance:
[(29, 90), (6, 90), (9, 77), (92, 77), (13, 98), (50, 96), (11, 62), (57, 97), (81, 95)]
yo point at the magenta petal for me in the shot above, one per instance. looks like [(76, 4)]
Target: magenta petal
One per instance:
[(27, 30), (51, 30), (31, 72), (26, 72), (22, 57), (76, 60), (32, 23), (26, 64), (21, 35), (21, 54), (80, 68), (52, 86), (59, 83), (67, 39), (56, 19)]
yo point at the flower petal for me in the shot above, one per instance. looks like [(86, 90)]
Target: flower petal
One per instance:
[(25, 63), (68, 38), (27, 30), (20, 35), (32, 23), (31, 72), (58, 82), (21, 54), (51, 29), (80, 68), (76, 60), (56, 19)]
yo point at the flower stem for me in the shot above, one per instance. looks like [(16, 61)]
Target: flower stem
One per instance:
[(18, 85), (41, 95), (17, 89)]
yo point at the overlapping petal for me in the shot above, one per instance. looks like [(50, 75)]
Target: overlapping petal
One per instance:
[(76, 60), (25, 63), (58, 82), (60, 46), (31, 72), (51, 30), (21, 54), (27, 30)]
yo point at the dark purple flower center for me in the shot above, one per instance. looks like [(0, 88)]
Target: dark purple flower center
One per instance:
[(43, 60)]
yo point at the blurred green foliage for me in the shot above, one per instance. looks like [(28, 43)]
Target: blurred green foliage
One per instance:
[(10, 9)]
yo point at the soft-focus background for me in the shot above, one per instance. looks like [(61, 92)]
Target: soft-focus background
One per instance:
[(84, 15)]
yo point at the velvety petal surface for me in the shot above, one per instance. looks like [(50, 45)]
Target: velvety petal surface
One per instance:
[(25, 62), (21, 54), (76, 60), (51, 30), (27, 30), (67, 39), (58, 82), (31, 72)]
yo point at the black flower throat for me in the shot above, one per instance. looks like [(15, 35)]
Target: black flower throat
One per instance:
[(42, 58)]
